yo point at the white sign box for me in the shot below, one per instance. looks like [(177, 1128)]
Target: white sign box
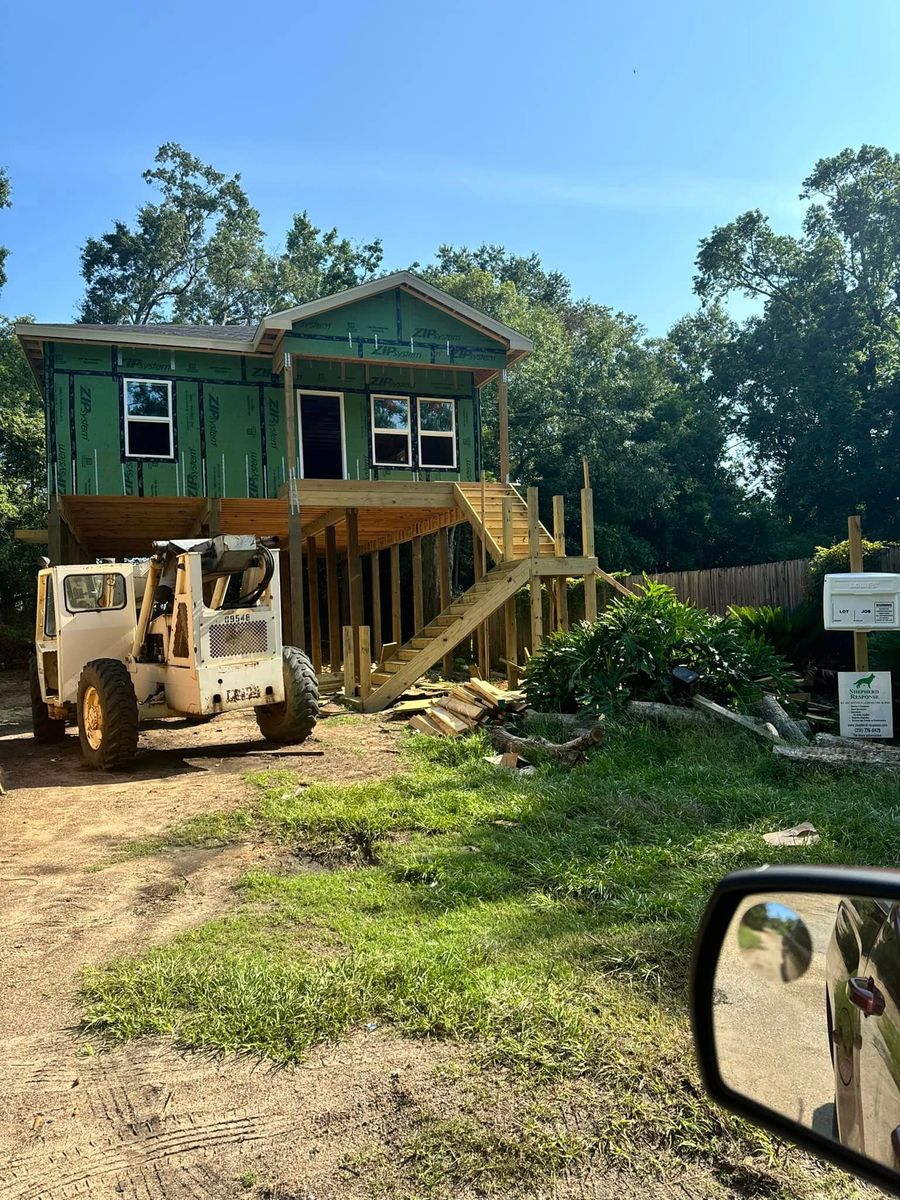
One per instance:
[(865, 702), (864, 601)]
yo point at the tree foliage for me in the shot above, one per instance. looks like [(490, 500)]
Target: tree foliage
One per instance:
[(814, 377), (4, 203)]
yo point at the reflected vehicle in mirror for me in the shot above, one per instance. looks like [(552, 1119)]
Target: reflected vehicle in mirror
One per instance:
[(796, 1009)]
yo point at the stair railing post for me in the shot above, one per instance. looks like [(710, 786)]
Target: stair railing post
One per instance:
[(587, 544), (559, 545), (534, 550), (510, 632)]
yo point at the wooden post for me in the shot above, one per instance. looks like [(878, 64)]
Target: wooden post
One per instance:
[(365, 662), (295, 534), (503, 425), (354, 578), (587, 549), (334, 599), (349, 664), (860, 640), (478, 572), (376, 603), (443, 557), (396, 613), (418, 607), (485, 664), (510, 632), (559, 545), (315, 629), (534, 549), (54, 533)]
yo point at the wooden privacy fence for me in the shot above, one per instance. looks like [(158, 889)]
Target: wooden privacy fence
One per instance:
[(778, 583)]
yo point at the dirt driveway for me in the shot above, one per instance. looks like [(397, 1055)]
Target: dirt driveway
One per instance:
[(144, 1120)]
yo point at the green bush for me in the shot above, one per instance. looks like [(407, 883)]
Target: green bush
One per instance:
[(630, 650), (794, 633)]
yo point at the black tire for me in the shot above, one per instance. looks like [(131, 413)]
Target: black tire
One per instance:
[(108, 730), (44, 727), (294, 719)]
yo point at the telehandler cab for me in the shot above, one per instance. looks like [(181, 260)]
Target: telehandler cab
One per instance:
[(193, 631)]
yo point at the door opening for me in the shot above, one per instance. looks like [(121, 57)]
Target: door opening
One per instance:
[(321, 418)]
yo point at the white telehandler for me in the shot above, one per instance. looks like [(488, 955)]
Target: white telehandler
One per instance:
[(193, 631)]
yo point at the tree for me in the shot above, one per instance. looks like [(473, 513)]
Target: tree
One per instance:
[(814, 378), (197, 255)]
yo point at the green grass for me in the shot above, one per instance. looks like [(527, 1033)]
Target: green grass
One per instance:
[(547, 920)]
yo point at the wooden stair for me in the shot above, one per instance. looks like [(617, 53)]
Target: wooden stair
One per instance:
[(469, 499), (456, 622)]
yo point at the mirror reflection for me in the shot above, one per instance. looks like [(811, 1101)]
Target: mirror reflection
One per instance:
[(807, 1015)]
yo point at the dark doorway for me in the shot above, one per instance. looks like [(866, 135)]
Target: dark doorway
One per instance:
[(321, 436)]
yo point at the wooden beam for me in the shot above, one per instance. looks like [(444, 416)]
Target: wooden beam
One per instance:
[(534, 550), (559, 542), (35, 537), (444, 590), (54, 532), (354, 578), (214, 516), (315, 628), (295, 533), (503, 425), (587, 547), (334, 600), (857, 561), (376, 603), (334, 516), (396, 612), (510, 629), (417, 581), (368, 493)]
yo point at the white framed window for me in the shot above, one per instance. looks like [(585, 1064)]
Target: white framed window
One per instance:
[(148, 418), (391, 435), (437, 432)]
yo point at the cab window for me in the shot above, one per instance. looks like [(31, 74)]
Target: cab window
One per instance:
[(49, 609), (94, 593)]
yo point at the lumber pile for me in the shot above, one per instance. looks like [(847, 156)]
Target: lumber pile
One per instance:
[(467, 707)]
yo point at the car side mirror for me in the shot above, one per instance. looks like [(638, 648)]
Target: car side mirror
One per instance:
[(795, 1004)]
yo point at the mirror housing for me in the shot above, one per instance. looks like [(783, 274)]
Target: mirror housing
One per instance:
[(731, 895)]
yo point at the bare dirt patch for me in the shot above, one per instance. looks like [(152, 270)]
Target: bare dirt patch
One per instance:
[(144, 1120)]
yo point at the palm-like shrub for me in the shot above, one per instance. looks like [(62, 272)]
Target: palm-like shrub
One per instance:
[(629, 652)]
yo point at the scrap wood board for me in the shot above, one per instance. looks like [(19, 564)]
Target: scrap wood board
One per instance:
[(466, 708)]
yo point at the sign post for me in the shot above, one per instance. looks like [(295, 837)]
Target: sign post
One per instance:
[(860, 640)]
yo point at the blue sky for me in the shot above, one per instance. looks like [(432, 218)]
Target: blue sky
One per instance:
[(608, 137)]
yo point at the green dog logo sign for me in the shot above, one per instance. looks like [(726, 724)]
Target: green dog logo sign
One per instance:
[(865, 704)]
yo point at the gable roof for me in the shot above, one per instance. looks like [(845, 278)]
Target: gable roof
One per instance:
[(266, 336)]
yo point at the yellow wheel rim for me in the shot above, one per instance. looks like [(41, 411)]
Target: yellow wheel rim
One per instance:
[(92, 717)]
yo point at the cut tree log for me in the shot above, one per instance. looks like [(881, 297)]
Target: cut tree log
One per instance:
[(768, 709), (840, 756), (667, 714), (760, 728), (569, 753), (571, 720), (864, 747)]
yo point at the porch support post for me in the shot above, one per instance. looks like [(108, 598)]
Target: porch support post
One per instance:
[(376, 603), (396, 615), (315, 629), (354, 573), (418, 605), (443, 557), (587, 544), (295, 533), (334, 599), (503, 425), (534, 549)]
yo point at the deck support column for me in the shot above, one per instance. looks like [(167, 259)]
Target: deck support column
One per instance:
[(443, 559), (534, 549), (396, 612), (376, 603), (417, 580), (510, 629), (295, 533), (334, 600), (478, 571), (354, 579), (503, 425), (315, 629), (559, 543)]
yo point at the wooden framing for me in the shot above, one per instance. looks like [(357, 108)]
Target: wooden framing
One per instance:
[(510, 628), (587, 546), (376, 603), (396, 611), (315, 629), (444, 590), (334, 600), (417, 581), (354, 579), (559, 541), (534, 547)]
